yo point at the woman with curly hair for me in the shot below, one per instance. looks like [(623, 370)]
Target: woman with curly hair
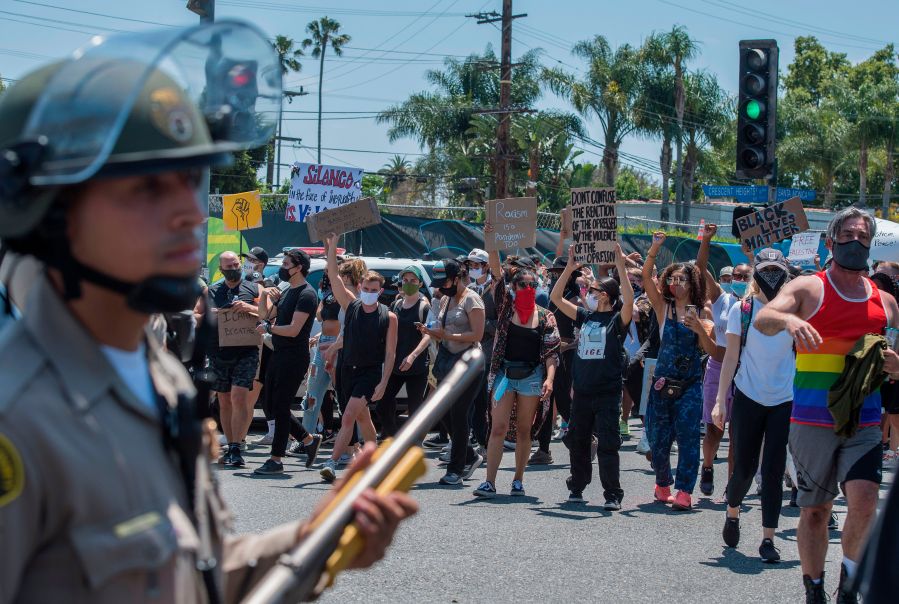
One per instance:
[(675, 400)]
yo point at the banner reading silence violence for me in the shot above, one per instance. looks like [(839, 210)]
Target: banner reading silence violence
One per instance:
[(317, 187)]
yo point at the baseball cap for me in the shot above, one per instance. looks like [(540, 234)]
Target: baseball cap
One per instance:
[(257, 253), (414, 270), (726, 270), (451, 268), (477, 255), (770, 257), (525, 262)]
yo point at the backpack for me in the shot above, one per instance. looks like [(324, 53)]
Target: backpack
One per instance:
[(398, 306)]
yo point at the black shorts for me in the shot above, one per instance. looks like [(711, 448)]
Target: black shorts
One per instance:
[(358, 382), (237, 371), (264, 356), (889, 397)]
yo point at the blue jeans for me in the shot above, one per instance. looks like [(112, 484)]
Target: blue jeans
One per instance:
[(316, 386), (671, 420)]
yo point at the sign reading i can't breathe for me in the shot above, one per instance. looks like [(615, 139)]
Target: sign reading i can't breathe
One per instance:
[(772, 224), (594, 225), (514, 223)]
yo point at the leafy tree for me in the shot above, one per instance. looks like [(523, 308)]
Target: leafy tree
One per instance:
[(394, 172), (707, 112), (812, 70), (608, 91), (323, 33)]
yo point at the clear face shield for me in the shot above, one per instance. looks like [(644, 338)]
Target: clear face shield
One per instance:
[(227, 70)]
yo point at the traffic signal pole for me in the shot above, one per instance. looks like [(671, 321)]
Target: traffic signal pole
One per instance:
[(757, 113)]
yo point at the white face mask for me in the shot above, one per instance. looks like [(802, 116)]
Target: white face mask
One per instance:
[(248, 268), (476, 273), (592, 302), (368, 298)]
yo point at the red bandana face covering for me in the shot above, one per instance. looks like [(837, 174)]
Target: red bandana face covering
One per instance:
[(525, 302)]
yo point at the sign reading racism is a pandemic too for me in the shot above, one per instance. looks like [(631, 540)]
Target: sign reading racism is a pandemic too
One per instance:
[(316, 187), (594, 226), (772, 224), (514, 222)]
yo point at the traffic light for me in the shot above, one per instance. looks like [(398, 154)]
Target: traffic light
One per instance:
[(232, 90), (757, 108)]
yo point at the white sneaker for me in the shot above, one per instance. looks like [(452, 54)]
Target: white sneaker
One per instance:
[(508, 445), (264, 441), (223, 441), (447, 448), (345, 459), (329, 470), (643, 446)]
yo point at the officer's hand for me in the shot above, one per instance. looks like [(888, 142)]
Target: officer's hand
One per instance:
[(377, 516)]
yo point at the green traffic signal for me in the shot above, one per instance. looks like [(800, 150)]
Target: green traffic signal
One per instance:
[(753, 109)]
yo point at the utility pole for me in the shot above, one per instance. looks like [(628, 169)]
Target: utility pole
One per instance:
[(503, 150), (290, 94)]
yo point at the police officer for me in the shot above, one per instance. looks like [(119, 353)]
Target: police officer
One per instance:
[(105, 491)]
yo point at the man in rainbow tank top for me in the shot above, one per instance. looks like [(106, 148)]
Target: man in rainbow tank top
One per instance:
[(826, 314)]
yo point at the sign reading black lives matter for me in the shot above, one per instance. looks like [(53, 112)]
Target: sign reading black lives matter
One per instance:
[(771, 224), (594, 225)]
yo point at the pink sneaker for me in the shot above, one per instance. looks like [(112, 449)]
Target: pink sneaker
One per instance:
[(663, 494), (682, 501)]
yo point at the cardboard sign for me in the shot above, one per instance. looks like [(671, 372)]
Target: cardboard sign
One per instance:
[(772, 224), (514, 223), (565, 218), (317, 187), (242, 211), (351, 217), (804, 247), (594, 226), (237, 328)]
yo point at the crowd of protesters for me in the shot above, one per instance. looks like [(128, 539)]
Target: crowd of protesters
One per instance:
[(754, 351)]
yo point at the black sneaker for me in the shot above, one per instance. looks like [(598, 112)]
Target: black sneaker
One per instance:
[(768, 552), (731, 532), (312, 449), (576, 497), (486, 491), (707, 482), (225, 459), (270, 467), (438, 442), (814, 593), (845, 594), (833, 524), (329, 437), (236, 458), (612, 505), (794, 492)]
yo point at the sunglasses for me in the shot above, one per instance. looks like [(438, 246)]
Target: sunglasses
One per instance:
[(743, 278), (526, 284), (596, 290), (676, 280)]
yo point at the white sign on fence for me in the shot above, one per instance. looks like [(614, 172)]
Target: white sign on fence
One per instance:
[(317, 187), (804, 247)]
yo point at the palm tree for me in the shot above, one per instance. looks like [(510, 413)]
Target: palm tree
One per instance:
[(323, 32), (655, 117), (674, 49), (289, 58), (395, 171), (608, 91), (707, 121), (535, 136)]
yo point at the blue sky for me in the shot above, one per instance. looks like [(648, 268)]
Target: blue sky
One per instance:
[(395, 41)]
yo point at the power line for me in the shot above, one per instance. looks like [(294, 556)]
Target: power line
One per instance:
[(64, 22), (288, 8), (77, 31), (87, 12)]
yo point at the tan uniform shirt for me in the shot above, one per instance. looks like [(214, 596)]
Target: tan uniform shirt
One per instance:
[(92, 505)]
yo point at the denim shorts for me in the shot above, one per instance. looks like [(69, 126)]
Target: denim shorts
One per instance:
[(531, 385)]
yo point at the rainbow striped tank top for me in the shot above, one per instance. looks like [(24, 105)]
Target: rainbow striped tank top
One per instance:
[(841, 322)]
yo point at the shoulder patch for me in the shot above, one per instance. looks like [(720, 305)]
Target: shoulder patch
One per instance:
[(12, 472)]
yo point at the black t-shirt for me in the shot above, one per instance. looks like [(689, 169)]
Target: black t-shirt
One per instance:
[(365, 335), (296, 299), (565, 325), (330, 308), (220, 296), (408, 336), (599, 357)]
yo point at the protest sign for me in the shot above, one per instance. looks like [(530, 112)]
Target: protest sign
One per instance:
[(772, 224), (351, 217), (565, 218), (237, 328), (316, 187), (594, 226), (514, 223), (885, 246), (804, 247), (242, 211)]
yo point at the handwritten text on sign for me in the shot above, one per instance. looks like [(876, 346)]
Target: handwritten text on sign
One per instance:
[(237, 328), (317, 187), (514, 223), (772, 224), (594, 225), (804, 247), (351, 217)]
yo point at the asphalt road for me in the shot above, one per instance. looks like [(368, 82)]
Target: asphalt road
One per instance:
[(540, 548)]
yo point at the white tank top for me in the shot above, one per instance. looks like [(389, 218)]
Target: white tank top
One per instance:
[(720, 309)]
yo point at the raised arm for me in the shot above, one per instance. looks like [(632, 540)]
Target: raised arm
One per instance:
[(712, 290), (493, 259), (343, 296), (627, 290), (649, 286), (783, 313), (557, 295)]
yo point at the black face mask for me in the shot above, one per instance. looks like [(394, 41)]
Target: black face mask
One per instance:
[(770, 282), (284, 274), (232, 274), (448, 291), (852, 255)]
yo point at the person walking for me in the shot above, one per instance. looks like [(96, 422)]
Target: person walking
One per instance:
[(762, 402), (675, 401), (597, 378), (826, 314)]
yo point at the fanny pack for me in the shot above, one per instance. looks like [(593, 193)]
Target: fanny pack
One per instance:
[(518, 370), (671, 389)]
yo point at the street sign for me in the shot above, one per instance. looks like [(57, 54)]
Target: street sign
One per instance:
[(755, 193)]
